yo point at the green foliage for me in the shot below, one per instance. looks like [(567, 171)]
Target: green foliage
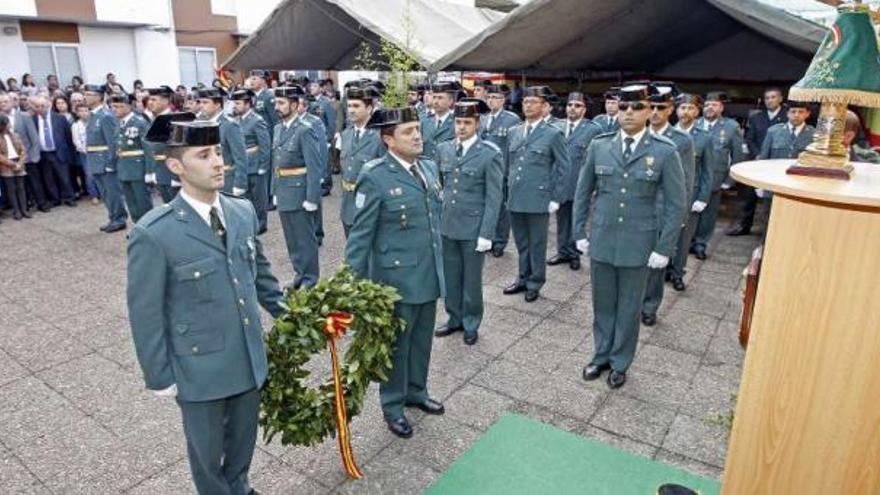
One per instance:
[(724, 420), (303, 415), (366, 58)]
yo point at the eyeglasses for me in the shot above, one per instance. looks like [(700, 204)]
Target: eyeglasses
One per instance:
[(659, 106), (635, 106)]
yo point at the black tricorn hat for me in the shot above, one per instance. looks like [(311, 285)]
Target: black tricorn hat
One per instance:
[(392, 116), (122, 98), (362, 93), (636, 92), (165, 91), (664, 91), (720, 96), (577, 96), (242, 95), (181, 129), (470, 107), (294, 92), (613, 93), (211, 93), (261, 73), (498, 88), (689, 98), (94, 88), (541, 92)]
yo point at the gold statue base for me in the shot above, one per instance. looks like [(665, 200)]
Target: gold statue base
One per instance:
[(826, 156)]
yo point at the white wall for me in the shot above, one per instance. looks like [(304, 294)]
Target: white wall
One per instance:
[(157, 60), (104, 50), (153, 12), (18, 8), (13, 53)]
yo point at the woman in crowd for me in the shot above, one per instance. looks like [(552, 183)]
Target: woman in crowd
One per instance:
[(61, 106), (12, 161), (11, 84), (28, 86)]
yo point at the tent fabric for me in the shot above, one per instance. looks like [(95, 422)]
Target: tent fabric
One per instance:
[(327, 34), (745, 39)]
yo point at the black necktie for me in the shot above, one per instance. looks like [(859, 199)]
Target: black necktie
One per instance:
[(628, 151), (217, 225), (568, 129), (414, 170), (459, 150), (357, 136), (528, 130)]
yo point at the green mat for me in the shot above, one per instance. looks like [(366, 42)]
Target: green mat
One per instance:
[(521, 456)]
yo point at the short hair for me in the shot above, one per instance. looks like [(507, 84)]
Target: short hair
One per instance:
[(852, 123), (175, 152), (774, 89)]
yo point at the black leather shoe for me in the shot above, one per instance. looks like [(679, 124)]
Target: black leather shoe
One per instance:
[(593, 371), (44, 209), (575, 264), (70, 203), (673, 489), (430, 406), (739, 230), (558, 260), (471, 338), (514, 288), (616, 379), (668, 276), (446, 330), (497, 252), (115, 228), (103, 228), (678, 284), (699, 252), (649, 320), (531, 296), (400, 427)]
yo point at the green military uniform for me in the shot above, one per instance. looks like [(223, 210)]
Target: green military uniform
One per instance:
[(154, 155), (495, 128), (436, 130), (472, 181), (322, 108), (258, 146), (626, 175), (132, 165), (193, 299), (395, 240), (357, 147), (859, 154), (321, 131), (607, 122), (101, 162), (264, 105), (783, 141), (297, 160), (234, 150)]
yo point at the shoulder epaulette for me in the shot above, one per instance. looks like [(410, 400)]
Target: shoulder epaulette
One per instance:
[(663, 139), (490, 144), (372, 164), (605, 135), (155, 214)]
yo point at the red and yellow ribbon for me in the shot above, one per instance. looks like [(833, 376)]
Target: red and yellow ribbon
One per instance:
[(334, 328)]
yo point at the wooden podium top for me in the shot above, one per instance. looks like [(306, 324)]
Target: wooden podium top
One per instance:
[(863, 188)]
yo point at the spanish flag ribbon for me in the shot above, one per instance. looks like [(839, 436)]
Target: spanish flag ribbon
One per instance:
[(334, 328)]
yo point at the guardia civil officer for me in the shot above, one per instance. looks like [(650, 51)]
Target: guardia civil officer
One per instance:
[(626, 170), (197, 277), (359, 145), (472, 175), (438, 127), (297, 160), (395, 240), (101, 158), (579, 132), (539, 165), (235, 161), (305, 108), (131, 165), (258, 146), (608, 120), (159, 103)]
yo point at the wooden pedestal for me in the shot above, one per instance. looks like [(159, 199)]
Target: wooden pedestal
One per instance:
[(808, 413)]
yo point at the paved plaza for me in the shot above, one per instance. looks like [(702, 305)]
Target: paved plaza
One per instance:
[(75, 417)]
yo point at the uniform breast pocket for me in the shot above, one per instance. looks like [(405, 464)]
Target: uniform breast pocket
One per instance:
[(189, 344), (539, 153), (646, 182), (197, 277), (603, 178)]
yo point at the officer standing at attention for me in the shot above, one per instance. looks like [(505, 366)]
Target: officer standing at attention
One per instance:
[(131, 166), (608, 120), (539, 166), (235, 160), (495, 127), (322, 107), (481, 89), (304, 108), (788, 140), (359, 145), (688, 109), (258, 146), (264, 105), (296, 158), (101, 158), (395, 240), (627, 170), (471, 170), (159, 103), (196, 279), (414, 99), (438, 127), (662, 106), (579, 132), (724, 150)]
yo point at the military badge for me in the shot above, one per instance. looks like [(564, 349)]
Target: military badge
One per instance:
[(397, 191), (359, 200), (649, 161), (132, 132)]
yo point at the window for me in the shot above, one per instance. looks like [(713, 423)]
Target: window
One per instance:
[(54, 58), (197, 66)]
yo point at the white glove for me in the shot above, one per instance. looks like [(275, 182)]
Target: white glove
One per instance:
[(236, 191), (150, 178), (175, 183), (657, 261), (760, 193), (308, 206), (483, 245), (108, 169), (553, 207), (167, 392), (698, 207), (582, 245), (261, 172)]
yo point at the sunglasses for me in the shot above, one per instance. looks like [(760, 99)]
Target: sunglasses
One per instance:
[(634, 105), (659, 107)]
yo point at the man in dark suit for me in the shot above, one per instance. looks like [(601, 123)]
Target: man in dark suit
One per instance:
[(50, 177), (759, 122)]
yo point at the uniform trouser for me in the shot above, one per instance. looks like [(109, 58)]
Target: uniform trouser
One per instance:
[(655, 285), (747, 214), (706, 224), (502, 229), (137, 198), (463, 270), (259, 197), (346, 228), (564, 233), (111, 191), (319, 224), (530, 236), (302, 245), (220, 439), (678, 263), (167, 192), (408, 383), (617, 301)]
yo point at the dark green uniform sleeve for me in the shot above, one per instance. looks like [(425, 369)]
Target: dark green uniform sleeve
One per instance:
[(494, 179), (310, 144), (238, 152), (268, 291), (674, 200), (688, 162), (264, 141), (149, 165), (561, 167), (583, 195), (766, 146), (704, 188), (368, 204), (736, 142), (109, 129)]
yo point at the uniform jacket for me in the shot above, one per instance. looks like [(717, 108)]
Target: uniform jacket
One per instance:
[(497, 131), (538, 168), (101, 131), (322, 108), (395, 238), (724, 148), (432, 136), (759, 123), (624, 228), (297, 146), (607, 122), (154, 154), (234, 151), (702, 189), (130, 140), (780, 143), (684, 145), (321, 130), (578, 142), (27, 131), (471, 189), (353, 155), (194, 304), (264, 105), (257, 142), (12, 168)]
